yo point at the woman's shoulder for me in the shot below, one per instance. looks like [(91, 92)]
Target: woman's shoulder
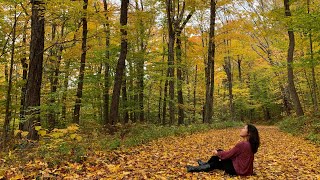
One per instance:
[(243, 143)]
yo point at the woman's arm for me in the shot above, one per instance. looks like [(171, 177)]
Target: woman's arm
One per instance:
[(235, 151)]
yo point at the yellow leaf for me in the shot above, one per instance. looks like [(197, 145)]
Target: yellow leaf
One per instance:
[(79, 138), (24, 133), (73, 136), (113, 168), (42, 132), (15, 133), (73, 127), (56, 134), (37, 128)]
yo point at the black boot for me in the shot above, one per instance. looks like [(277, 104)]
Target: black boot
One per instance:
[(204, 167), (201, 162)]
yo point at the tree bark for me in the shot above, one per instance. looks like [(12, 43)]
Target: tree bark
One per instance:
[(209, 71), (35, 70), (195, 93), (180, 80), (293, 92), (106, 96), (6, 125), (171, 33), (239, 69), (24, 76), (125, 101), (314, 82), (114, 109), (227, 68), (77, 106)]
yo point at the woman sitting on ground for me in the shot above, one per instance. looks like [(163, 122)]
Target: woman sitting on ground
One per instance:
[(236, 161)]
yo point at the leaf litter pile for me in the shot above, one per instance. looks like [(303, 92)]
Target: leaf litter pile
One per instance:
[(280, 156)]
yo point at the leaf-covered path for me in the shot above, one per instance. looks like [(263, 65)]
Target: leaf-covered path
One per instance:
[(280, 156)]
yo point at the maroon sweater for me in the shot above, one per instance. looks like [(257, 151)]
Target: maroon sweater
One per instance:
[(241, 156)]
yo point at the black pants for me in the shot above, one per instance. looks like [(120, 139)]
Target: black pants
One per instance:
[(226, 165)]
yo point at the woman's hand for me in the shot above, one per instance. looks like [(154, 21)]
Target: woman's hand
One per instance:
[(215, 152)]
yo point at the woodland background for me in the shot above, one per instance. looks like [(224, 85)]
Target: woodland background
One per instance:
[(109, 69)]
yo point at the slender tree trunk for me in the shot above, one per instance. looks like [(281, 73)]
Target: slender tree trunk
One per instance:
[(125, 101), (239, 68), (51, 111), (114, 109), (208, 107), (6, 126), (77, 106), (140, 64), (165, 92), (180, 80), (160, 91), (314, 82), (35, 70), (227, 68), (54, 81), (195, 93), (65, 89), (291, 85), (24, 76), (106, 96)]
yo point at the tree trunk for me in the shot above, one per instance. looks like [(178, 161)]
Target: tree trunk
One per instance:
[(140, 64), (77, 106), (65, 89), (165, 94), (6, 125), (180, 80), (24, 76), (160, 90), (227, 68), (171, 33), (194, 94), (35, 70), (114, 109), (125, 101), (106, 96), (291, 85), (209, 71), (239, 68)]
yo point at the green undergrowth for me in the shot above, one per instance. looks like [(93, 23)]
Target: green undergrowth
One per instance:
[(75, 144), (143, 133), (305, 126)]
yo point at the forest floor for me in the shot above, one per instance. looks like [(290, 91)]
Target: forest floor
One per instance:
[(280, 156)]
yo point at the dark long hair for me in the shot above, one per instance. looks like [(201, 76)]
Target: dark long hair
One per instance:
[(254, 138)]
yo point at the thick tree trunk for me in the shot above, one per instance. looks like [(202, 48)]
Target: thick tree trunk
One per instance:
[(106, 96), (6, 125), (208, 107), (171, 33), (291, 85), (114, 109), (35, 70), (77, 106)]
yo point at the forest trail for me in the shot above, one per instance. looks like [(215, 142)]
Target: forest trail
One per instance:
[(280, 156)]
